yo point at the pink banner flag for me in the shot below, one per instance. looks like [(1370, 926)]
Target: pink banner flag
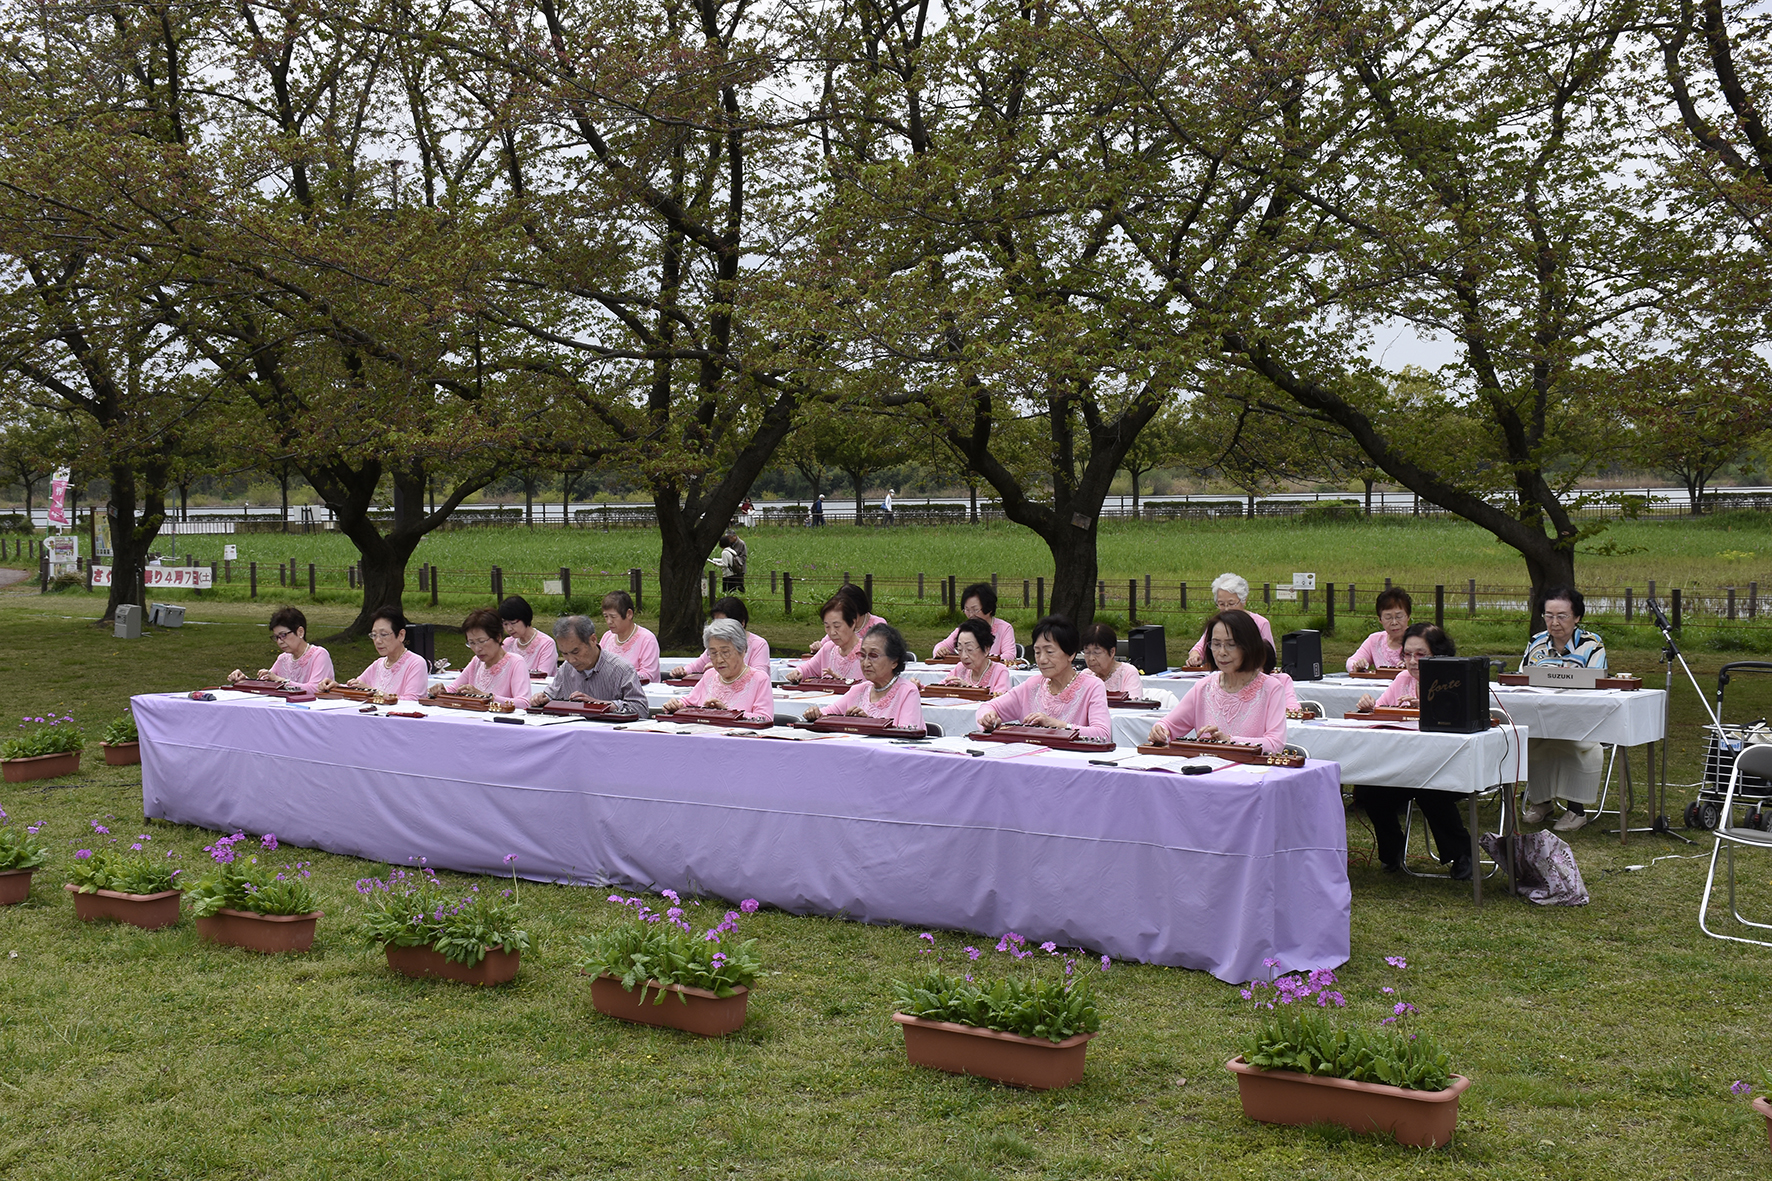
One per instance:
[(58, 497)]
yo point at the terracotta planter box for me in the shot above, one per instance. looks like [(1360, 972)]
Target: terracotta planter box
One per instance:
[(40, 766), (270, 933), (1423, 1119), (15, 886), (122, 754), (150, 912), (1764, 1107), (989, 1053), (496, 967), (705, 1013)]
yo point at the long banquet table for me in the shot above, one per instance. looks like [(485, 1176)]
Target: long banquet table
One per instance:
[(1217, 872)]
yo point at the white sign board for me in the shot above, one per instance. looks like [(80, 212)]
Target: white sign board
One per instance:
[(164, 577), (62, 552), (1304, 581), (230, 553)]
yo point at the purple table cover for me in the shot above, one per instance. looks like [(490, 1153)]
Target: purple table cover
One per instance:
[(1215, 872)]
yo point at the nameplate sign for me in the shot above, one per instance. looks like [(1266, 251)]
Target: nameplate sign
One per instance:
[(1551, 676)]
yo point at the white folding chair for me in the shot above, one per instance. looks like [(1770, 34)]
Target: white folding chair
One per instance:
[(1753, 760)]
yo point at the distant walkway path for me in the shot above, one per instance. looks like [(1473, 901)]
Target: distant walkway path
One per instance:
[(8, 577)]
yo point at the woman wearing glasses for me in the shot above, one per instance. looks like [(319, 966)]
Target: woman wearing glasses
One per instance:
[(1239, 702), (394, 670), (299, 664), (976, 669), (492, 672), (1062, 696)]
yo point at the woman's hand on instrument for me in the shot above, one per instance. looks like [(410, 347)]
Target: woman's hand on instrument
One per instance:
[(943, 649), (1051, 723), (1365, 703), (1211, 734), (1159, 735), (813, 713), (1409, 703), (537, 700), (793, 675), (1361, 666), (855, 711), (237, 675), (676, 674), (988, 720), (713, 703), (265, 674), (673, 705)]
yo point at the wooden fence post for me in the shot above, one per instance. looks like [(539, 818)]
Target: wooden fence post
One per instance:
[(310, 580), (1473, 595), (1439, 605), (1304, 596), (1101, 590), (433, 585), (919, 586), (1753, 599), (1329, 608), (1352, 606), (424, 583), (1627, 604), (774, 582), (713, 587), (634, 587), (1267, 594), (1676, 618), (1040, 596), (1731, 607), (867, 585), (953, 592), (787, 593), (1184, 596), (1147, 590), (566, 583), (1027, 593), (252, 573), (1132, 600)]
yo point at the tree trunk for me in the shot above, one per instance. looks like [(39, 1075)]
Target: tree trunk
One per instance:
[(855, 480), (529, 502), (1134, 494), (30, 486), (1368, 483), (131, 540), (973, 489), (1075, 570), (680, 584), (1695, 496), (1549, 566)]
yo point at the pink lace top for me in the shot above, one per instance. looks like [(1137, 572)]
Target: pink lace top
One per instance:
[(314, 666), (1403, 692), (640, 650), (1125, 679), (1083, 704), (750, 694), (407, 678), (1197, 654), (1255, 715), (829, 660), (507, 681), (1376, 652), (995, 677), (541, 656), (902, 703)]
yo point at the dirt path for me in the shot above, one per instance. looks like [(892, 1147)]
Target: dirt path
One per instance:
[(8, 577)]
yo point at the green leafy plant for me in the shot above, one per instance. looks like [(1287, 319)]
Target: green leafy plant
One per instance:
[(665, 948), (417, 910), (241, 883), (1298, 1033), (131, 870), (20, 851), (46, 735), (1054, 1004), (121, 729)]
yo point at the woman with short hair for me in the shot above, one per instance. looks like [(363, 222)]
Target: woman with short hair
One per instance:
[(492, 672), (1101, 653), (1062, 696), (975, 668), (730, 683), (394, 670), (979, 601), (1239, 702), (1230, 592), (299, 664), (1384, 647), (626, 638), (526, 641), (1404, 691), (836, 656), (883, 691), (756, 647)]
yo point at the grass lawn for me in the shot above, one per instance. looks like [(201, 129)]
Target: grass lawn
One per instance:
[(1603, 1039)]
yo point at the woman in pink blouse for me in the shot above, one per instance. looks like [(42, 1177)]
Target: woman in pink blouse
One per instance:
[(1239, 702), (395, 670), (492, 672), (882, 692), (730, 683), (299, 664), (1422, 639), (979, 601), (1384, 649), (1230, 592), (626, 638), (976, 669), (839, 656), (1100, 648), (1061, 697), (535, 648), (756, 653)]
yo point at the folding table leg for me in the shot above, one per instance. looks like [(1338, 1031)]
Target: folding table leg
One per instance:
[(1476, 852)]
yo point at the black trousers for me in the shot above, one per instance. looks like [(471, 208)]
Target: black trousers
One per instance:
[(1385, 806)]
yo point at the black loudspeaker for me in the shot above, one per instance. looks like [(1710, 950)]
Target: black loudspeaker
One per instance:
[(1147, 649), (422, 639), (1301, 655), (1454, 694)]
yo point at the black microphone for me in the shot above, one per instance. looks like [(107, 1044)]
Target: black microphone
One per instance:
[(1660, 619)]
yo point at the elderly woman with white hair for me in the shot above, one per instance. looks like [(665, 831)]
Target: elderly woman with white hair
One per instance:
[(730, 683), (1231, 593)]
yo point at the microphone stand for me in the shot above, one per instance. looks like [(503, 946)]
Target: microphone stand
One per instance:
[(1669, 654)]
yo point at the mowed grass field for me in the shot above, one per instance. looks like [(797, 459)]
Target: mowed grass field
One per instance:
[(1603, 1039)]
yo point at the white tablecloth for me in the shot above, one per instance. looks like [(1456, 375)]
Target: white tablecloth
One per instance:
[(1582, 715)]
